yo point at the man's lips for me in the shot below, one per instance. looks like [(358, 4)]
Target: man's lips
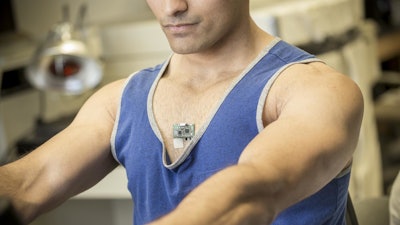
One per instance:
[(179, 28)]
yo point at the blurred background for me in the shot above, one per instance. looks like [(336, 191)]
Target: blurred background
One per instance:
[(360, 38)]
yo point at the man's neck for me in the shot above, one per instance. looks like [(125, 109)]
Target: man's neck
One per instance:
[(225, 60)]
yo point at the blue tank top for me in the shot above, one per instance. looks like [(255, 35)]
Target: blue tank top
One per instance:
[(157, 186)]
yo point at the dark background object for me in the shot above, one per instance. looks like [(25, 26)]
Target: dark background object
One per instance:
[(381, 12), (7, 23), (8, 216)]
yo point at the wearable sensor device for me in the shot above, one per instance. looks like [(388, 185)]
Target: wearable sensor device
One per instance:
[(182, 132)]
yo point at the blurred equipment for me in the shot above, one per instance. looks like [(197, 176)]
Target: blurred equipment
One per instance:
[(3, 143), (351, 217), (64, 61), (384, 12)]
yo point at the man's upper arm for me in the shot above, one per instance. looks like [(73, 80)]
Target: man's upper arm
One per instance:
[(311, 131), (70, 162)]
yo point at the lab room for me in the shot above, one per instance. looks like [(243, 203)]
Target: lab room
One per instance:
[(78, 147)]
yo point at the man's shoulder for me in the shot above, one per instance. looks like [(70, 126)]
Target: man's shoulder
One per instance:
[(317, 82)]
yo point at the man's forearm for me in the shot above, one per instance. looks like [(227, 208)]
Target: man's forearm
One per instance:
[(9, 189), (19, 184)]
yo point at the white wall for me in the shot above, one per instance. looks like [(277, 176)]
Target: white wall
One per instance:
[(36, 17)]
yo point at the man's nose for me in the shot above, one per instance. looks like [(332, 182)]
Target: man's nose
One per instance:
[(175, 7)]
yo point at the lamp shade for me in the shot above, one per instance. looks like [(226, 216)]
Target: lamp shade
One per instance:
[(64, 63)]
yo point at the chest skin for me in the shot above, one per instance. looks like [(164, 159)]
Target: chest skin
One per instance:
[(179, 102)]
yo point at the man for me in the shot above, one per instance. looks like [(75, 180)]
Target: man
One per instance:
[(236, 127)]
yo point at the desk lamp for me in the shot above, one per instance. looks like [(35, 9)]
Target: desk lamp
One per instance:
[(63, 62)]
